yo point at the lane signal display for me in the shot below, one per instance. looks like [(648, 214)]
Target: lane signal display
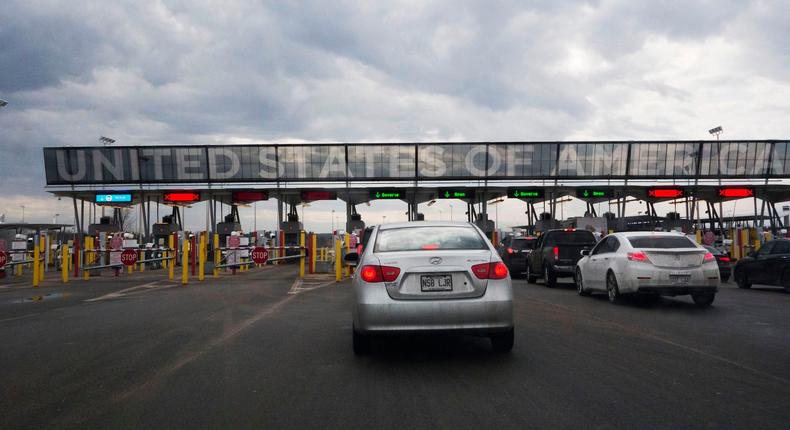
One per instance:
[(387, 194), (113, 198), (665, 193), (593, 193), (736, 192), (311, 196), (181, 197), (455, 193), (250, 196), (525, 193)]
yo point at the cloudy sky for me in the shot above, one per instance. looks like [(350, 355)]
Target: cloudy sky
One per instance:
[(198, 72)]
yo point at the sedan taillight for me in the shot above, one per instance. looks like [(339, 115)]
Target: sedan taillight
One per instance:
[(379, 273), (638, 256), (556, 251), (724, 259), (509, 250), (496, 270), (709, 257)]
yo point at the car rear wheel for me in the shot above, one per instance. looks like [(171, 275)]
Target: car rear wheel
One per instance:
[(703, 300), (549, 277), (502, 342), (612, 290), (530, 277), (580, 283), (742, 281), (361, 342)]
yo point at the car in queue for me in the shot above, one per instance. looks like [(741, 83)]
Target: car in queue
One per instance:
[(428, 277), (649, 264), (513, 251), (723, 260), (556, 254), (769, 265)]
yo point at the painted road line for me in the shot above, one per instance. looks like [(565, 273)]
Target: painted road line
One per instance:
[(132, 290)]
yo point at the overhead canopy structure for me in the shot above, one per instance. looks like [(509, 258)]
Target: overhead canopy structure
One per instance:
[(275, 165), (419, 172)]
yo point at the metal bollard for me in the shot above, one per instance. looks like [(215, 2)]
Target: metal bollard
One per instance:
[(202, 257), (64, 263), (171, 257), (338, 265), (185, 262), (302, 253)]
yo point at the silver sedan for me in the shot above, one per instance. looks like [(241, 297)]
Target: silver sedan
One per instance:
[(648, 263), (431, 277)]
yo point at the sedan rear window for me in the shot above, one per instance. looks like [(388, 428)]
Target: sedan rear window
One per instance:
[(571, 237), (428, 238), (661, 242), (522, 244)]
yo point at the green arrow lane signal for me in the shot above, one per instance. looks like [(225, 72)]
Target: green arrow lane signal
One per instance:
[(586, 193), (446, 194), (378, 195)]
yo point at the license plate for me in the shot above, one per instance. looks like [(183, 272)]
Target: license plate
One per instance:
[(680, 279), (436, 283)]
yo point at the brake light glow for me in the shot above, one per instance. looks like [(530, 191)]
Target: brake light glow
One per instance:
[(556, 251), (496, 270), (430, 246), (637, 256), (509, 250), (570, 229), (709, 257), (379, 273), (724, 259)]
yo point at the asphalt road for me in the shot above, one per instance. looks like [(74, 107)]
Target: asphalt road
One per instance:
[(258, 351)]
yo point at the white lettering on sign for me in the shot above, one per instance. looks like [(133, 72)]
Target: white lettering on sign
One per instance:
[(335, 162), (156, 155), (267, 157), (63, 169), (114, 167), (229, 171), (186, 159)]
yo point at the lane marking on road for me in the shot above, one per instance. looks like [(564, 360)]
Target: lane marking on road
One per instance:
[(229, 333), (299, 285), (666, 341), (20, 317), (132, 290)]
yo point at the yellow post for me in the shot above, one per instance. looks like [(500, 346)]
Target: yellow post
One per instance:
[(86, 274), (64, 263), (699, 236), (348, 249), (302, 253), (43, 252), (141, 258), (313, 251), (36, 266), (184, 262), (202, 257), (171, 253), (338, 266), (217, 256)]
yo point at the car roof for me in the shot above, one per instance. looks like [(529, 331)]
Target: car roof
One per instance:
[(650, 233), (425, 224)]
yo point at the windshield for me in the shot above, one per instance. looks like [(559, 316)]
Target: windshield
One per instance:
[(581, 237), (661, 242), (428, 238)]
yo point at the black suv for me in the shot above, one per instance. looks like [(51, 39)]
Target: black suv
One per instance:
[(556, 254), (770, 265), (513, 251)]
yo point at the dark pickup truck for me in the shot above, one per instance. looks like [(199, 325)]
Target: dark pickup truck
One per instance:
[(556, 254)]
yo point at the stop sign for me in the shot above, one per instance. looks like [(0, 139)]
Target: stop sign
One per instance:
[(129, 257), (260, 255), (4, 258), (234, 241)]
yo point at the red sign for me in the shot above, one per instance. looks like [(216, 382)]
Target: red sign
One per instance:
[(665, 193), (234, 241), (4, 258), (181, 197), (129, 257), (309, 196), (250, 196), (736, 192), (259, 255)]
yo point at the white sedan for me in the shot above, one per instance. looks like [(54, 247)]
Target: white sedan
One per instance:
[(648, 263)]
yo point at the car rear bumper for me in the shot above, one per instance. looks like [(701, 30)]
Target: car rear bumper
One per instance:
[(564, 271), (376, 311), (676, 291)]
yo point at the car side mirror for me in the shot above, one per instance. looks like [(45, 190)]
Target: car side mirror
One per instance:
[(585, 252), (351, 258)]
